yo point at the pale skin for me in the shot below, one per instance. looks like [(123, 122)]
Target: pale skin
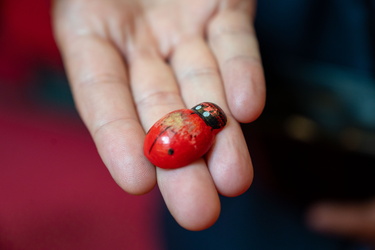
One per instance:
[(130, 62)]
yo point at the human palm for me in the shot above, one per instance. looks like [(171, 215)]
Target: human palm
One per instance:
[(130, 62)]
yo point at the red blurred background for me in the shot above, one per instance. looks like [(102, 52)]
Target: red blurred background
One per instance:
[(55, 193)]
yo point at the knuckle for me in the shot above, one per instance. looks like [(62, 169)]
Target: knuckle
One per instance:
[(100, 79), (158, 98), (198, 72)]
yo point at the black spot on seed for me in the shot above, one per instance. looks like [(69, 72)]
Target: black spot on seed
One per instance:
[(170, 151), (153, 143)]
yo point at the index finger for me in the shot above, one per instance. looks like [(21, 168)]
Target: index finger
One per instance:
[(100, 88)]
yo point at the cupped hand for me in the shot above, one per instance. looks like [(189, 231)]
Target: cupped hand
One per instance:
[(352, 220), (129, 62)]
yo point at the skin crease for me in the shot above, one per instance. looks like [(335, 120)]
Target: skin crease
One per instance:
[(130, 62)]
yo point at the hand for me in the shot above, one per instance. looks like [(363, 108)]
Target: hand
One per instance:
[(129, 62), (354, 220)]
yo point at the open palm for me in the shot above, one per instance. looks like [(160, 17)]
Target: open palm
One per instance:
[(130, 62)]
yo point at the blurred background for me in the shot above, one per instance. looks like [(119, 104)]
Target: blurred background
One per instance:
[(55, 192), (319, 123), (315, 140)]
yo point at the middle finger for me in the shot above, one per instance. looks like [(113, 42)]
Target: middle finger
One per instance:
[(189, 192)]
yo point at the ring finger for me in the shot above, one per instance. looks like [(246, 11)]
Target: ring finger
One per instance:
[(200, 80)]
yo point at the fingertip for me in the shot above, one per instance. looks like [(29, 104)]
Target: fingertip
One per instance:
[(190, 195), (230, 163), (120, 145), (204, 217), (237, 186), (245, 88), (135, 182), (232, 184), (246, 109)]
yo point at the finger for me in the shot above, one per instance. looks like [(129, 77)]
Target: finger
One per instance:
[(199, 78), (233, 41), (189, 192), (100, 88), (354, 220), (190, 195)]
